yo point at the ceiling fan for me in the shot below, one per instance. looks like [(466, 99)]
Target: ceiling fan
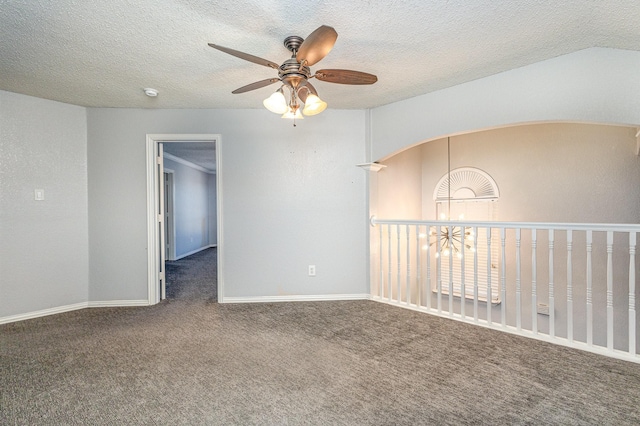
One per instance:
[(294, 74)]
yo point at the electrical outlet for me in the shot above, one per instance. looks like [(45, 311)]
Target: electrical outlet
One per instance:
[(543, 309), (312, 270)]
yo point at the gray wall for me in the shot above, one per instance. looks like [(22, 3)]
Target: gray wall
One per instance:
[(593, 85), (44, 244), (191, 207), (291, 197)]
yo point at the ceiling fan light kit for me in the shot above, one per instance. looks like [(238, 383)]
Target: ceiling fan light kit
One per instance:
[(294, 74), (276, 103)]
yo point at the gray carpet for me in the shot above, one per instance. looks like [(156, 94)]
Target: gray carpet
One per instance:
[(193, 278), (191, 361)]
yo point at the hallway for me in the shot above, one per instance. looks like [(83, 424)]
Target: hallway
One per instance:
[(194, 277)]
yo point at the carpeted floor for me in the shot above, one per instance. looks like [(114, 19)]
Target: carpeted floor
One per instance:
[(193, 277), (191, 361)]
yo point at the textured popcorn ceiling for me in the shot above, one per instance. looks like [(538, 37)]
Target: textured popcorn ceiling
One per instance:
[(103, 53)]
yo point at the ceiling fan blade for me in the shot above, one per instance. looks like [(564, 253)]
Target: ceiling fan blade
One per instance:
[(302, 94), (256, 85), (246, 56), (317, 45), (345, 77)]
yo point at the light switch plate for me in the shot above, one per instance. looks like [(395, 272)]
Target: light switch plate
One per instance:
[(39, 194)]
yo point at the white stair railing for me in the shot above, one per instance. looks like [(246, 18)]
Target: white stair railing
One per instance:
[(567, 283)]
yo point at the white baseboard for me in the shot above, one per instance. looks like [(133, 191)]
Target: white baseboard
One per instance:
[(195, 251), (117, 303), (295, 298), (43, 312), (74, 307)]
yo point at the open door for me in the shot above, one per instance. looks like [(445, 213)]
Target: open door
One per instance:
[(169, 251), (161, 231), (156, 244)]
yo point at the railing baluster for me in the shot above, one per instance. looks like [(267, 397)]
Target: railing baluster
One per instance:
[(387, 283), (632, 293), (463, 291), (610, 290), (451, 254), (428, 289), (418, 268), (389, 262), (534, 295), (475, 274), (408, 278), (439, 268), (552, 317), (569, 285), (399, 261), (589, 290), (489, 275), (503, 278), (518, 282), (381, 286)]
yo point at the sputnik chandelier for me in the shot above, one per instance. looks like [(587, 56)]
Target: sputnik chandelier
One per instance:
[(450, 239), (450, 244)]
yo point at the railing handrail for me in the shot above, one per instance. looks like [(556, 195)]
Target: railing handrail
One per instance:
[(615, 227)]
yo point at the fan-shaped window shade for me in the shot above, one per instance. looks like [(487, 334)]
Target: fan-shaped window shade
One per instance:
[(467, 183)]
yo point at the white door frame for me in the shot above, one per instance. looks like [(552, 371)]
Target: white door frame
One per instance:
[(153, 197)]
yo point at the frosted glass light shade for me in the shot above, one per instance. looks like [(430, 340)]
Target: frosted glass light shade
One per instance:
[(313, 105), (290, 114), (276, 103)]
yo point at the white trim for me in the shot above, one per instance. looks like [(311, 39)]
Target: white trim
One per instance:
[(294, 298), (152, 141), (43, 312), (118, 303), (188, 163), (182, 256), (74, 307)]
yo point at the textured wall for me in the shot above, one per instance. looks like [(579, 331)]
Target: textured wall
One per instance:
[(191, 204), (400, 187), (291, 197), (547, 172), (44, 244), (592, 85)]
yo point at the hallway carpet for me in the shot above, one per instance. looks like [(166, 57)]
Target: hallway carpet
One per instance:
[(193, 277), (190, 361)]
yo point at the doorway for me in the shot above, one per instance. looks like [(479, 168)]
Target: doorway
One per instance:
[(157, 229)]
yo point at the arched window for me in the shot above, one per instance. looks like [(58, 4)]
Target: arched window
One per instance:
[(467, 183), (473, 197)]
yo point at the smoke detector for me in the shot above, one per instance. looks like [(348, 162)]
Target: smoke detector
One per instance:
[(152, 93)]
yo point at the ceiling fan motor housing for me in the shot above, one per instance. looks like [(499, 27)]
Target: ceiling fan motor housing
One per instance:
[(293, 43), (292, 74)]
